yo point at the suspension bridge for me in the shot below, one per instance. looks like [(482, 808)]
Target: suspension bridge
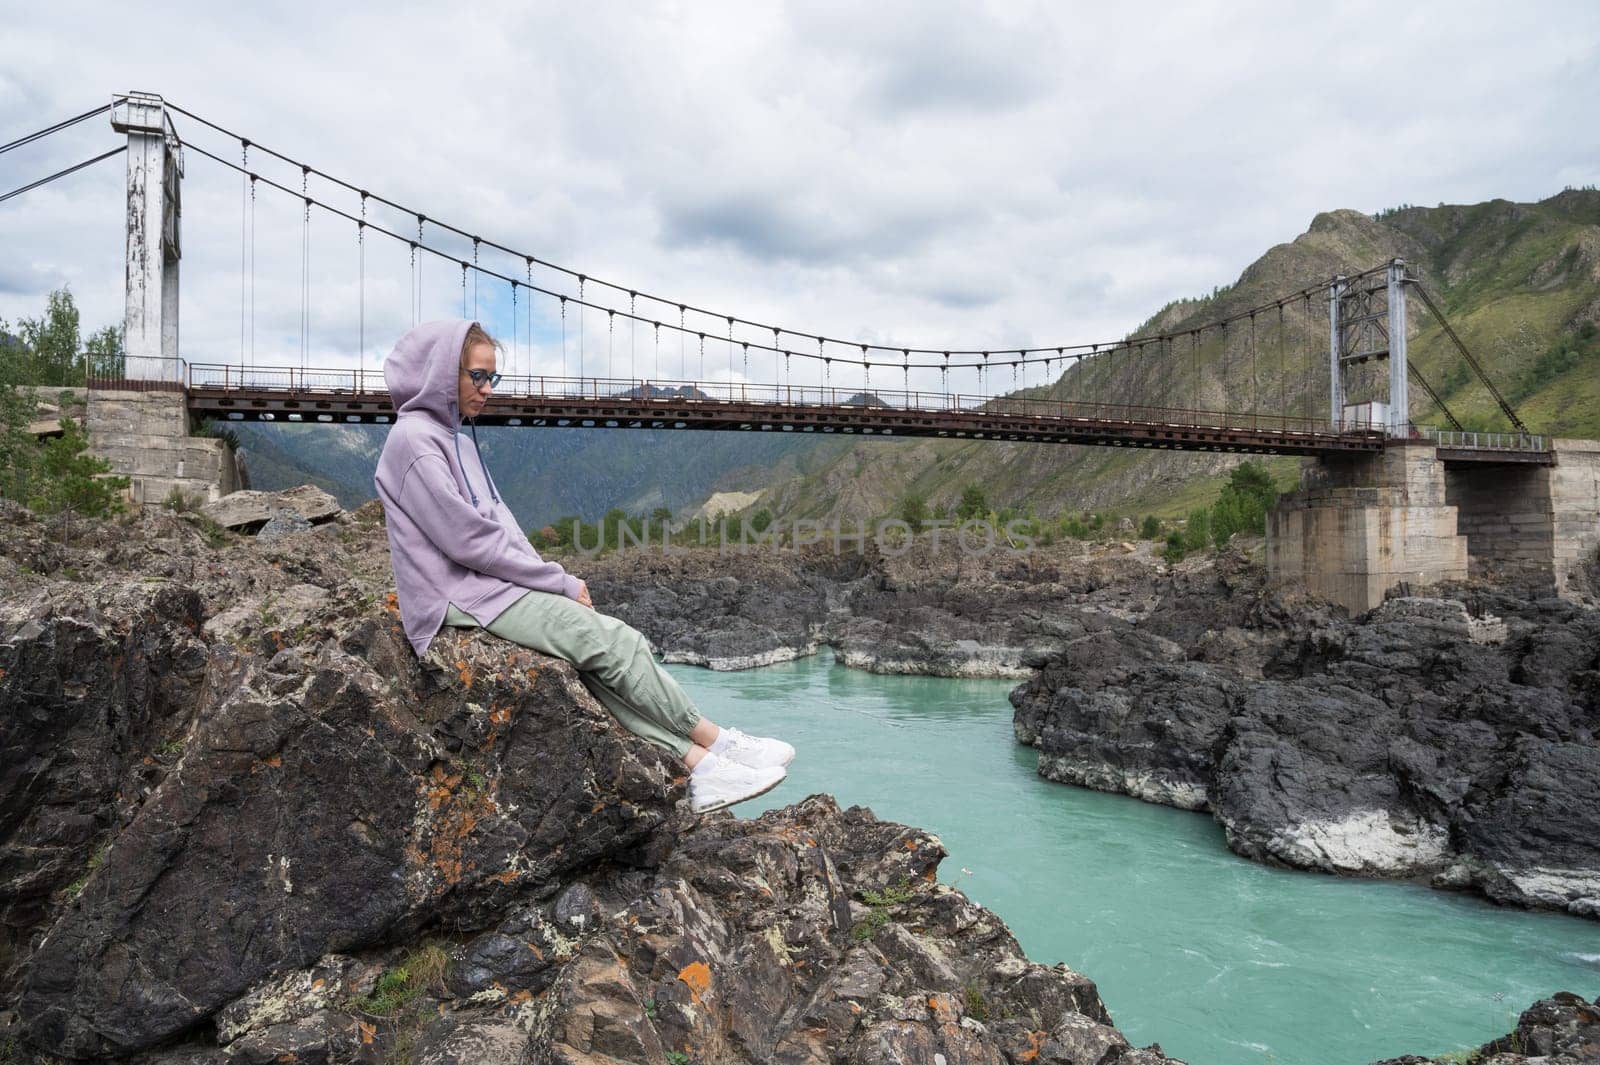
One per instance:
[(1321, 370)]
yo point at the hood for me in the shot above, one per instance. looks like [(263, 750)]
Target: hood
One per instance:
[(423, 371)]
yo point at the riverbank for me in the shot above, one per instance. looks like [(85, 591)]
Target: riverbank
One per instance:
[(1449, 739)]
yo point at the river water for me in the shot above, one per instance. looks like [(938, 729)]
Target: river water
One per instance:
[(1218, 959)]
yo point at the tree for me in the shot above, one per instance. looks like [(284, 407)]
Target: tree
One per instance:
[(71, 481), (914, 511), (760, 520), (1244, 502), (972, 505), (104, 354), (1197, 530), (52, 342), (1151, 528), (1175, 550), (19, 451)]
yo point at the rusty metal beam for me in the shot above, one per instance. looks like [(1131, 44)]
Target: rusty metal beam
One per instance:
[(243, 404)]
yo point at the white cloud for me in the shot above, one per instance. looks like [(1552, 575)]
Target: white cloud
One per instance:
[(934, 174)]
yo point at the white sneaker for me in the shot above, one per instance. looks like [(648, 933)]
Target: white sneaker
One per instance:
[(723, 782), (757, 752)]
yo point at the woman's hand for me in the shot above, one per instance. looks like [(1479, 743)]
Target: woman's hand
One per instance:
[(583, 595)]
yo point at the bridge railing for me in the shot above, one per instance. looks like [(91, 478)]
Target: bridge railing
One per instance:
[(723, 394), (1466, 439), (153, 373)]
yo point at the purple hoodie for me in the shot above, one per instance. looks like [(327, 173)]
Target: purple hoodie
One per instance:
[(451, 537)]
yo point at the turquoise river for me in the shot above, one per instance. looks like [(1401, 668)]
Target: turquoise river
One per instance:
[(1218, 959)]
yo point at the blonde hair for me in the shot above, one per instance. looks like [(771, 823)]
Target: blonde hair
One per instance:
[(476, 334)]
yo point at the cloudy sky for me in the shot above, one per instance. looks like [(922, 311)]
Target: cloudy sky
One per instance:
[(923, 173)]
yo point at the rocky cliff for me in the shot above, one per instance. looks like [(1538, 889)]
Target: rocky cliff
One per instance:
[(1452, 738), (241, 822)]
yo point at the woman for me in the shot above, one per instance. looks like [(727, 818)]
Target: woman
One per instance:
[(460, 559)]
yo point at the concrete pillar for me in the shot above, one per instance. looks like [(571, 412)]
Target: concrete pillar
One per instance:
[(1574, 509), (154, 246), (1504, 512), (1531, 523), (145, 437), (1363, 523)]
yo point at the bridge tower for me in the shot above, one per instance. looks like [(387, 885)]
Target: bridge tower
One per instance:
[(154, 244), (140, 424), (1367, 322)]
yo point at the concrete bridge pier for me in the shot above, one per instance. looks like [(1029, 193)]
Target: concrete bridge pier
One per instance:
[(1363, 523), (145, 437), (1539, 522)]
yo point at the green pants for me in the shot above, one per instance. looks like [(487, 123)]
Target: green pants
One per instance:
[(613, 660)]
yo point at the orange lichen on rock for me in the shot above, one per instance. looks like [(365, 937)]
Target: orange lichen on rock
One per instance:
[(1031, 1051), (697, 976), (391, 603)]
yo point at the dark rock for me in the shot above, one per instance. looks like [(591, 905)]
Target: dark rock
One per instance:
[(576, 910), (1563, 1029), (1420, 740), (277, 837)]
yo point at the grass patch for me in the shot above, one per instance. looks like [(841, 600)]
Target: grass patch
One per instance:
[(96, 860), (879, 903), (977, 1005), (214, 534), (401, 983)]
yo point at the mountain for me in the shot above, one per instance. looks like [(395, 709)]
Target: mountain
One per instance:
[(543, 474), (1520, 283)]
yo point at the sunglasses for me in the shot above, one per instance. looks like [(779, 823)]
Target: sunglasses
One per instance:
[(480, 376)]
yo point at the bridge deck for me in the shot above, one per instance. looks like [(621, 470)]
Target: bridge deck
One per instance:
[(1093, 424), (344, 396)]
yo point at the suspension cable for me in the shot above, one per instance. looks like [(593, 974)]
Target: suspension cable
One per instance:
[(1038, 353), (1433, 308), (62, 173), (57, 128)]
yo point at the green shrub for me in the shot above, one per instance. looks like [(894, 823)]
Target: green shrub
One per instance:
[(972, 505), (1175, 549), (1197, 530), (73, 482), (1244, 503)]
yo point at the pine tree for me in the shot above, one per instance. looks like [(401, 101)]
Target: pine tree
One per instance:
[(71, 481)]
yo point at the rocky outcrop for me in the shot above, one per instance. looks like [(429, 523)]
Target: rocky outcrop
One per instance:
[(1563, 1029), (1449, 738), (250, 510), (241, 822), (932, 612)]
